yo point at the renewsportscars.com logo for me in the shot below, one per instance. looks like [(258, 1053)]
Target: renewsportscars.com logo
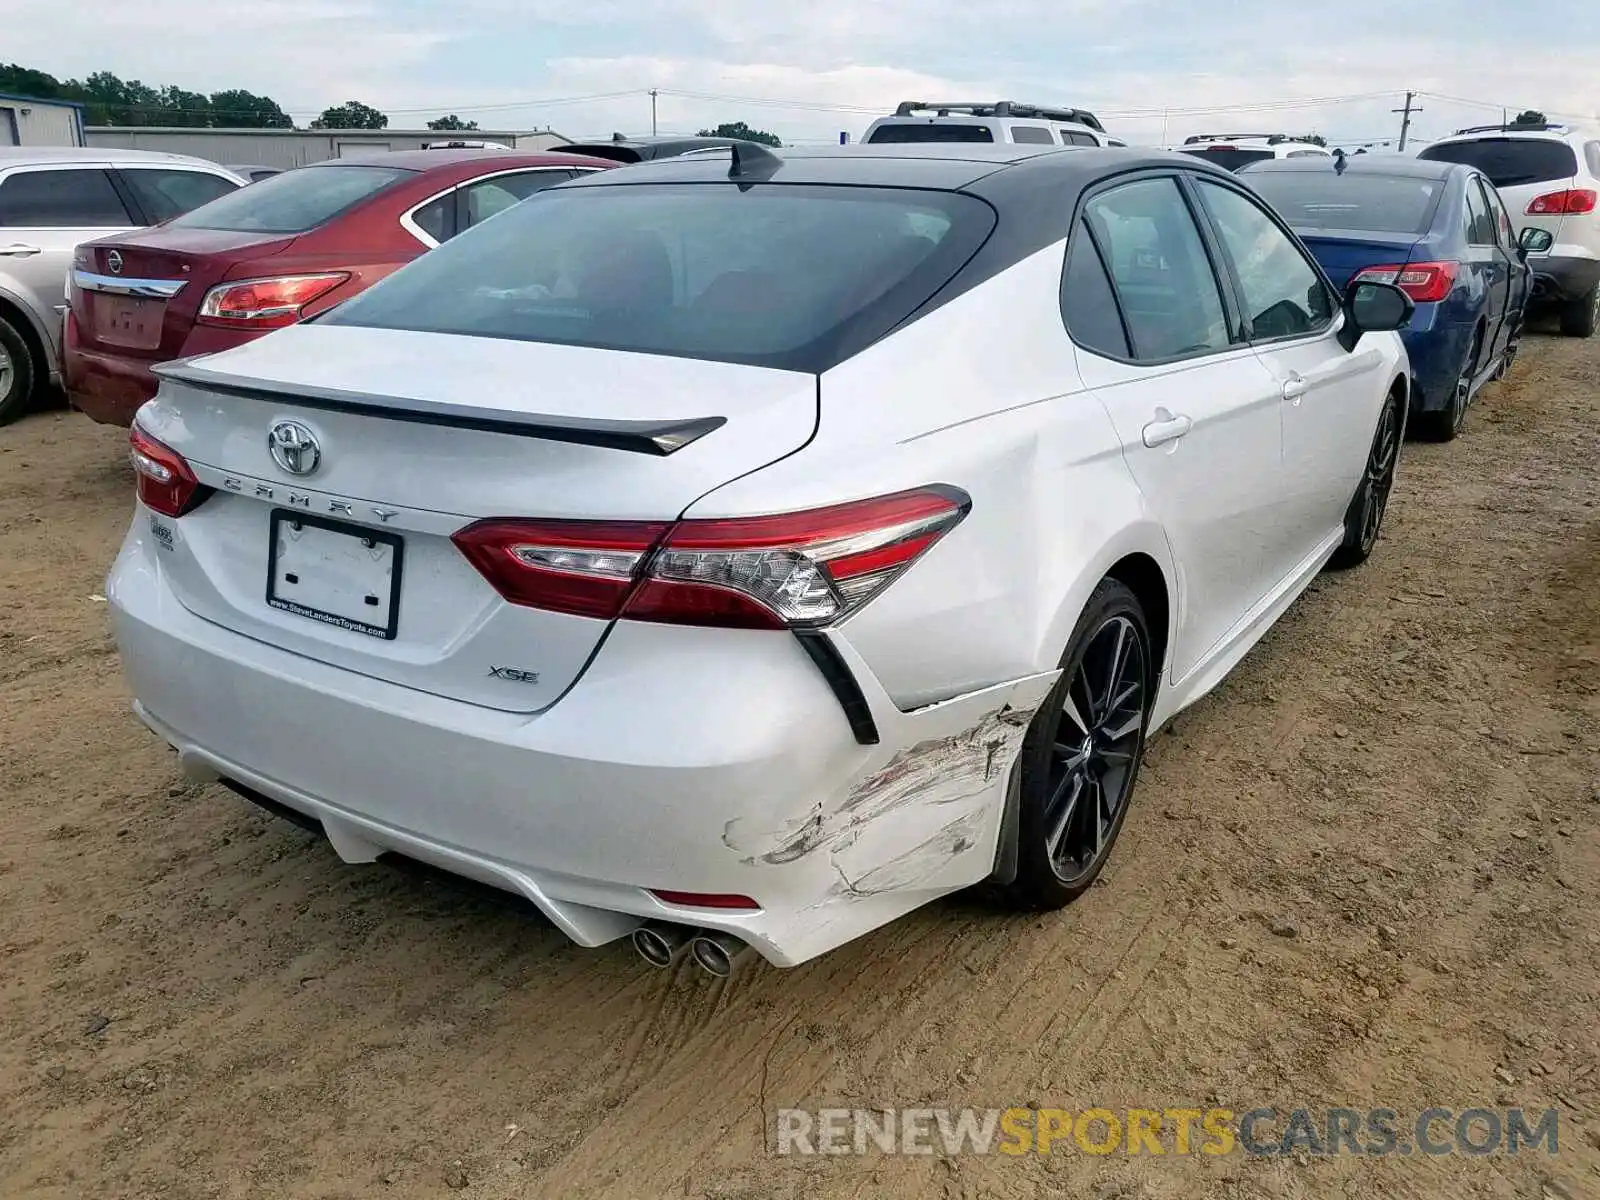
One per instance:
[(1259, 1132)]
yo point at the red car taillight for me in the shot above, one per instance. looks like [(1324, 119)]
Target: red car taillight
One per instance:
[(265, 303), (166, 484), (1573, 201), (1425, 282), (790, 570)]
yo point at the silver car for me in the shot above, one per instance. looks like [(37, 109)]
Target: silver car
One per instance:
[(53, 198)]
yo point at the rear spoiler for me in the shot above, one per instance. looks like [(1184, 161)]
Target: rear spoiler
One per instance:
[(638, 437)]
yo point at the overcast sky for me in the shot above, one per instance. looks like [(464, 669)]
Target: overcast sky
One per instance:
[(822, 66)]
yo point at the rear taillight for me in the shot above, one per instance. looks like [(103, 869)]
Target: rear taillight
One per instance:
[(1571, 202), (166, 484), (586, 568), (265, 303), (790, 570), (1424, 282)]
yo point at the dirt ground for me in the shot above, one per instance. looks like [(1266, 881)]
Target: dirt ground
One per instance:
[(198, 1000)]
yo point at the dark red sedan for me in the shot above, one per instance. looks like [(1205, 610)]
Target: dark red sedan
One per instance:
[(272, 254)]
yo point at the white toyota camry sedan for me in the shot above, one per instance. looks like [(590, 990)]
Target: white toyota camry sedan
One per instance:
[(741, 551)]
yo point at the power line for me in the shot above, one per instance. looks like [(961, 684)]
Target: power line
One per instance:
[(1258, 106), (1549, 112)]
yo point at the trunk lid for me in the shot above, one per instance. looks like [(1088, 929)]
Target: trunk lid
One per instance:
[(183, 263), (419, 435), (1343, 252)]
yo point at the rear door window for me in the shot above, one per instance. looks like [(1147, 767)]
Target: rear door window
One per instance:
[(83, 198), (1510, 162), (941, 132), (1073, 138), (483, 199), (1088, 305), (165, 193), (1032, 135), (1163, 277), (1480, 222), (295, 201), (1502, 220), (437, 218)]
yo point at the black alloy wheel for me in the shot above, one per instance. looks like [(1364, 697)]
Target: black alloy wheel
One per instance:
[(1081, 758), (1364, 518)]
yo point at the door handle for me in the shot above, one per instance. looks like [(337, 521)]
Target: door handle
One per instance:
[(19, 250), (1293, 388), (1165, 428)]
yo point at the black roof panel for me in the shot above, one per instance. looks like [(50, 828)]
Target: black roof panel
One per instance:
[(939, 165)]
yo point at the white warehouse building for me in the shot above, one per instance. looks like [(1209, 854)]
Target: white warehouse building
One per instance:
[(285, 148), (26, 121)]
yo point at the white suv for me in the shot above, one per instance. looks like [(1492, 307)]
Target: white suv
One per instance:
[(1000, 121), (1549, 175), (1235, 150)]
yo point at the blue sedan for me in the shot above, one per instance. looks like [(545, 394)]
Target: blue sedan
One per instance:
[(1437, 230)]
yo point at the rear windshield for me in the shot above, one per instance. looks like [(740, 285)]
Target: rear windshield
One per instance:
[(1229, 157), (1370, 203), (294, 201), (943, 131), (777, 275), (1510, 162)]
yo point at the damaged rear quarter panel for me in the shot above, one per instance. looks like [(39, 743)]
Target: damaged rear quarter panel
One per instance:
[(924, 815)]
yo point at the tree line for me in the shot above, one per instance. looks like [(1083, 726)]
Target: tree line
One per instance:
[(108, 99)]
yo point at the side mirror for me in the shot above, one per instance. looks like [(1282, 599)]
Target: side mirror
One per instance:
[(1373, 308), (1533, 240)]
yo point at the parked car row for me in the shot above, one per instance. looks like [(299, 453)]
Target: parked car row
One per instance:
[(1553, 173), (677, 551)]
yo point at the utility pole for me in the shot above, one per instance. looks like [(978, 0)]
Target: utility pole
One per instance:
[(652, 112), (1405, 120)]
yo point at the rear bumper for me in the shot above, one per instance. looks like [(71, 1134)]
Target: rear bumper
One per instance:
[(692, 760), (1437, 351), (1558, 279), (107, 387), (111, 387)]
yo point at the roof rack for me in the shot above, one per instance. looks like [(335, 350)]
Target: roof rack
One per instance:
[(1272, 139), (1542, 127), (1000, 108)]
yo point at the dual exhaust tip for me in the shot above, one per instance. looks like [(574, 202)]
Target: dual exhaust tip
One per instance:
[(661, 944)]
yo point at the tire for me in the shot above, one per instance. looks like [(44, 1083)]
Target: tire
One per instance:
[(16, 373), (1364, 518), (1061, 848), (1579, 317), (1443, 426)]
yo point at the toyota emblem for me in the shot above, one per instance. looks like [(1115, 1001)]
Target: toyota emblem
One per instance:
[(114, 262), (294, 447)]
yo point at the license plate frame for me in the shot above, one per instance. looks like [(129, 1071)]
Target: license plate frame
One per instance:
[(131, 322), (390, 627)]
